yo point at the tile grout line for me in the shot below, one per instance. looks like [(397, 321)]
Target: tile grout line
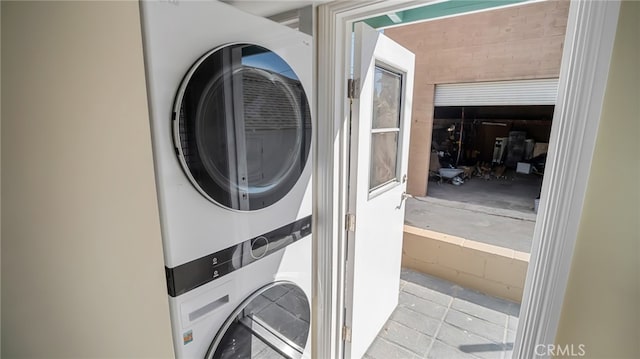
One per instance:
[(435, 334), (440, 320), (504, 338), (409, 327)]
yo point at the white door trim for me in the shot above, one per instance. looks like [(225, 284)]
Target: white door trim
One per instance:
[(590, 34), (587, 52), (331, 167)]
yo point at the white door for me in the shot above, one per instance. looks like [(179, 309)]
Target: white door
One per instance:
[(381, 120)]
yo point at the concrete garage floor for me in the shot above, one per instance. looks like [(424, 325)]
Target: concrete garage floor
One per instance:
[(516, 192), (502, 228), (439, 319), (497, 212)]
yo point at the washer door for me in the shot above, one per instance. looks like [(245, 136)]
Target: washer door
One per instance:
[(242, 126), (271, 323)]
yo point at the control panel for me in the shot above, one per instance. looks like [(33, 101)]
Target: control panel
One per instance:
[(191, 275)]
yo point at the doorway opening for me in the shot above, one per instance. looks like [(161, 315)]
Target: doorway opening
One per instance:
[(476, 169), (586, 57)]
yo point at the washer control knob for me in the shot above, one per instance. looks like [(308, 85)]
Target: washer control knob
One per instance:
[(259, 247)]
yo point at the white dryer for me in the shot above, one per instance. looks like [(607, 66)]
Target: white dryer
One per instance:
[(229, 100)]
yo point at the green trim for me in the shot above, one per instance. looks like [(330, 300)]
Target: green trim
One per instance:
[(450, 7)]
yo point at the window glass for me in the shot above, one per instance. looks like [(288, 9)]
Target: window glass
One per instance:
[(384, 149), (386, 99)]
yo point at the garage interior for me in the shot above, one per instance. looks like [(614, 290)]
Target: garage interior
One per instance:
[(499, 153)]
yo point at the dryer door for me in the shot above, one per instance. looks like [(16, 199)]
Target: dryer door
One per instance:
[(271, 323), (242, 126)]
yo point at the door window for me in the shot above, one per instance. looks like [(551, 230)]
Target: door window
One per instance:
[(242, 126), (385, 128)]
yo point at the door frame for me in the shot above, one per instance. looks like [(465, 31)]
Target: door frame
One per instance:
[(589, 38), (385, 203)]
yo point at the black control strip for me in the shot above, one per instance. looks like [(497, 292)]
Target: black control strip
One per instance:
[(191, 275)]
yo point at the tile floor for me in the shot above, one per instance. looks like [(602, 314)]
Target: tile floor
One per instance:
[(439, 319)]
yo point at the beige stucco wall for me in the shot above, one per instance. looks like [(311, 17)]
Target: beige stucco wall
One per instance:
[(522, 42), (82, 268), (602, 304), (493, 270)]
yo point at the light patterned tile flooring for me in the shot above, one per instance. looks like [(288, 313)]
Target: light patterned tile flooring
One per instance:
[(439, 319)]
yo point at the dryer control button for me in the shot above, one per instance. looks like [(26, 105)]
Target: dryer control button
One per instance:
[(259, 247)]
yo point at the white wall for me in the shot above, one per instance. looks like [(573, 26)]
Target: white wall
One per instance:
[(602, 304), (82, 269)]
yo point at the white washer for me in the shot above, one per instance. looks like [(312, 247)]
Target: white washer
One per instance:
[(258, 311), (229, 100)]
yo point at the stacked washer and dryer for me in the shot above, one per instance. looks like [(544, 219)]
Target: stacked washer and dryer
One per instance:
[(229, 99)]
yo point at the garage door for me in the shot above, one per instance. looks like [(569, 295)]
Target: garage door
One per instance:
[(498, 93)]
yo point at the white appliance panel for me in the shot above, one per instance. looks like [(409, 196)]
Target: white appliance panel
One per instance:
[(182, 32)]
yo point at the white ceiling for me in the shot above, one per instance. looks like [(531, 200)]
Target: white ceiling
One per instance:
[(270, 7)]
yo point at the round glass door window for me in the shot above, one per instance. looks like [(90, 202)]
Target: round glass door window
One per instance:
[(272, 323), (242, 126)]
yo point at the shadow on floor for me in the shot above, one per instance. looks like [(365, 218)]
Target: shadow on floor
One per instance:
[(439, 319)]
